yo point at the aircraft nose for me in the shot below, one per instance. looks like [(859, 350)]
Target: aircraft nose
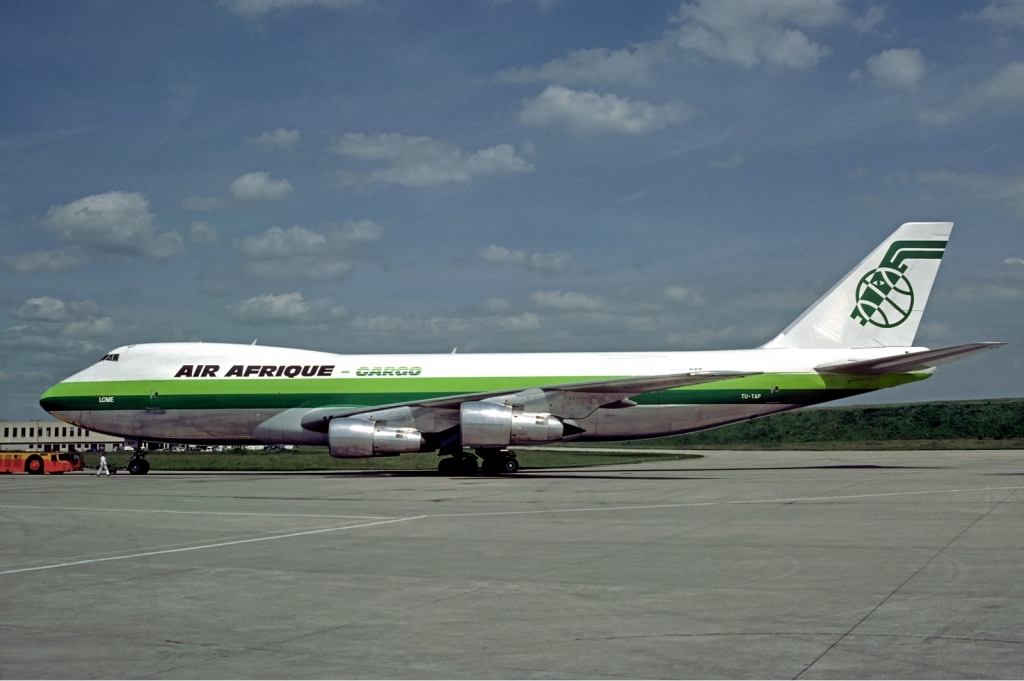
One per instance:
[(44, 399), (53, 400)]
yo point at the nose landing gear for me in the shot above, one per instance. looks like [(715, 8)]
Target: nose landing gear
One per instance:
[(137, 464)]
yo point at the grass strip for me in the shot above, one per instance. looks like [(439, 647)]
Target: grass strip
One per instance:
[(317, 459)]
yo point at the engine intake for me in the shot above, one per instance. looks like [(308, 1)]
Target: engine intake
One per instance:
[(357, 438), (485, 424)]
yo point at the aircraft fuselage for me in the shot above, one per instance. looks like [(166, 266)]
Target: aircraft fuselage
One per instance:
[(211, 393)]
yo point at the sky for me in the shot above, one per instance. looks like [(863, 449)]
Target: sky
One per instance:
[(498, 176)]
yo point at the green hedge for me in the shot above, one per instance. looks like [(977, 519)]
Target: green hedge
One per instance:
[(973, 420)]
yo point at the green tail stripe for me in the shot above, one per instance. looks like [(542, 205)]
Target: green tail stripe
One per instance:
[(910, 250)]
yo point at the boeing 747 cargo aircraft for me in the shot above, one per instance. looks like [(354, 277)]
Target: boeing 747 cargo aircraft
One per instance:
[(856, 338)]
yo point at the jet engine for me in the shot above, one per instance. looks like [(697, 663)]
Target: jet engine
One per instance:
[(358, 438), (485, 424)]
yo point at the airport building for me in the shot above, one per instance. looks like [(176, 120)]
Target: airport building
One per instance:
[(54, 436)]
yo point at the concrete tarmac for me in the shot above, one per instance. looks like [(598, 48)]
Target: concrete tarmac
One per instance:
[(740, 564)]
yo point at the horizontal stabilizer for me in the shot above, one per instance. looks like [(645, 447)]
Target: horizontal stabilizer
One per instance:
[(910, 361)]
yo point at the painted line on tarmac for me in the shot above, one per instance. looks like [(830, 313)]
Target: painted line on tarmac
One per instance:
[(288, 535), (789, 500), (207, 546), (881, 494), (692, 504), (154, 510)]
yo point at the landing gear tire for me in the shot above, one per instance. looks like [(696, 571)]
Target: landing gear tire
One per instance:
[(34, 465), (137, 465), (463, 465), (467, 465), (498, 461)]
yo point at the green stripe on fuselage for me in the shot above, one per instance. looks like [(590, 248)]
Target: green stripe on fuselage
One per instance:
[(283, 393)]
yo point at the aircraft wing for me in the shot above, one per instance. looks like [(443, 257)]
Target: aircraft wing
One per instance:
[(569, 400), (615, 388), (910, 361)]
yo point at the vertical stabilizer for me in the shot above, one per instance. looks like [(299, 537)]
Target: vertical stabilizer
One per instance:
[(880, 302)]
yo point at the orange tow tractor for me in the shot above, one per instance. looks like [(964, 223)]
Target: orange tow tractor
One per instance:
[(37, 463)]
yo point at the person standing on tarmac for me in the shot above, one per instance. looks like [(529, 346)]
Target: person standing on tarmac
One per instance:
[(103, 466)]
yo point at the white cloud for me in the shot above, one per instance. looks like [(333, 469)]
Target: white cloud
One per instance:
[(874, 16), (390, 326), (46, 262), (115, 222), (544, 5), (57, 325), (1010, 269), (280, 139), (356, 231), (568, 317), (259, 187), (300, 253), (566, 301), (897, 69), (1005, 191), (48, 309), (1003, 90), (972, 293), (599, 65), (51, 346), (680, 294), (256, 7), (589, 112), (549, 262), (203, 203), (204, 233), (525, 321), (770, 32), (286, 307), (1004, 13), (269, 306), (734, 161), (543, 262), (497, 305), (89, 328), (424, 161), (751, 33), (277, 243), (499, 255)]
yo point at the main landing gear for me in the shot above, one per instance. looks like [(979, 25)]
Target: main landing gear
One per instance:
[(459, 464), (137, 464), (493, 462)]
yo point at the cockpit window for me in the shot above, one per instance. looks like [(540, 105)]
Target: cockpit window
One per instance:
[(109, 358)]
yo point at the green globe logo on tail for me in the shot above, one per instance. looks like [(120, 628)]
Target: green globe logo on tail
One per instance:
[(884, 298), (884, 295)]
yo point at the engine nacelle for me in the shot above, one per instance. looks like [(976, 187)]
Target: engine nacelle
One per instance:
[(358, 438), (485, 424)]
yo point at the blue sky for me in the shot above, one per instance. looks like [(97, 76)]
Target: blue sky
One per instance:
[(497, 176)]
